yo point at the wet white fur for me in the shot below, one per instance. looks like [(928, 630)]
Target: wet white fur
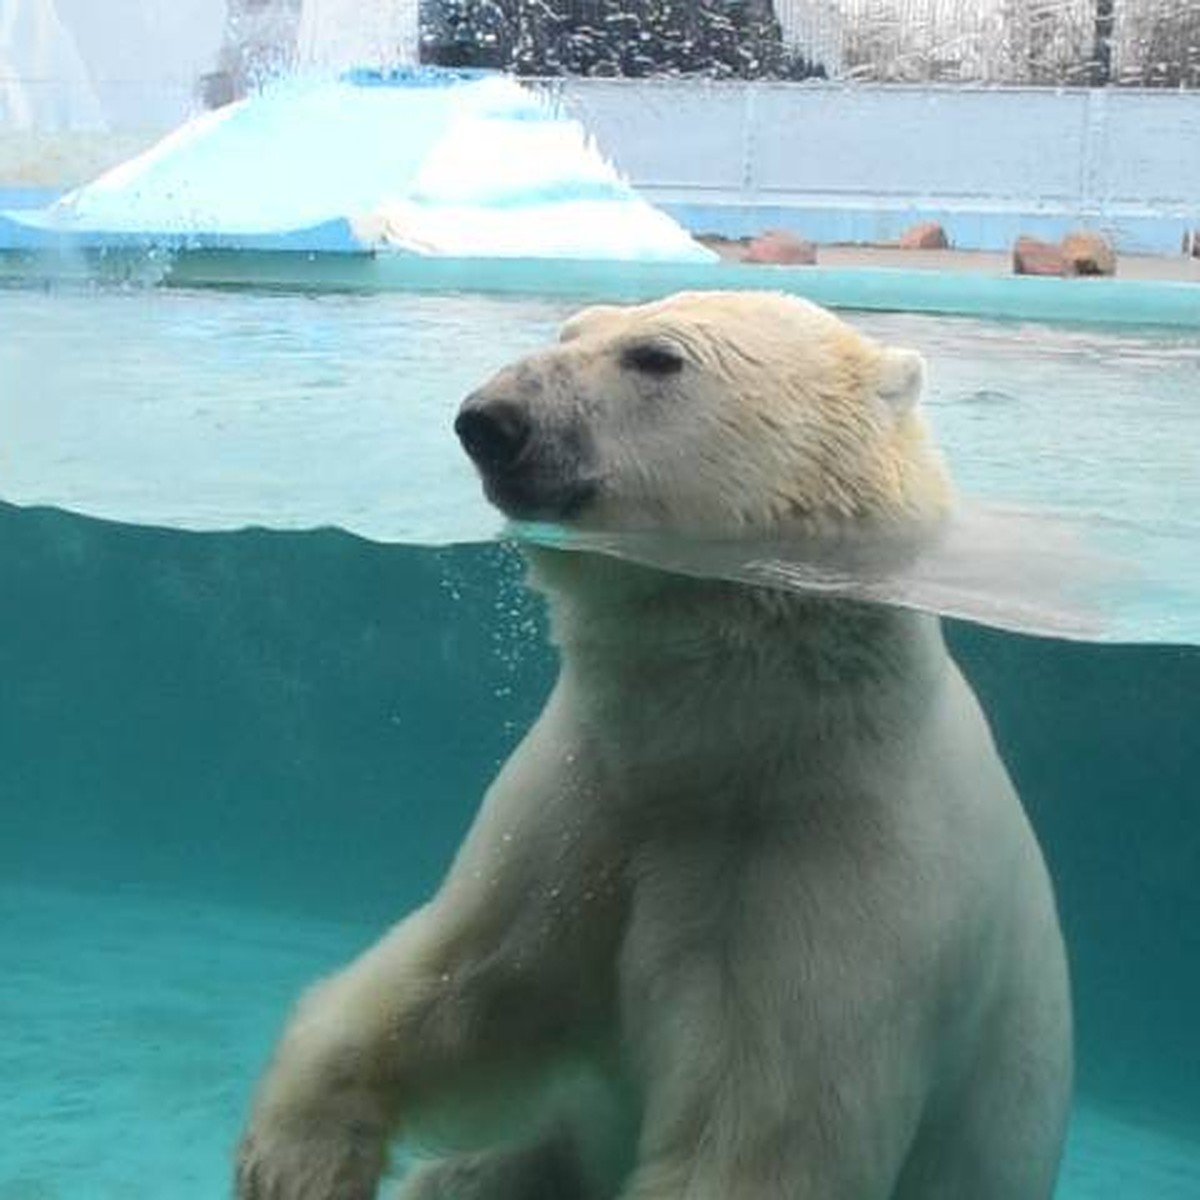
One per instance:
[(753, 913)]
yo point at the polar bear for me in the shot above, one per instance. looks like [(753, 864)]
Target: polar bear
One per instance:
[(753, 912)]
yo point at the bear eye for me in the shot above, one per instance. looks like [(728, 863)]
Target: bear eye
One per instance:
[(653, 358)]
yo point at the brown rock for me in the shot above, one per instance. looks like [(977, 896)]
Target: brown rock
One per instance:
[(780, 248), (1088, 253), (926, 235), (729, 249), (1034, 257)]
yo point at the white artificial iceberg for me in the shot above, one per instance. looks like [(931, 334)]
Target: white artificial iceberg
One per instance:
[(513, 177), (424, 161)]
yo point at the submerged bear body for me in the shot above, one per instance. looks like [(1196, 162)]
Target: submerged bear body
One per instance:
[(753, 911)]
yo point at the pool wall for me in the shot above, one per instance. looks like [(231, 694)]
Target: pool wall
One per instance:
[(305, 722), (858, 163)]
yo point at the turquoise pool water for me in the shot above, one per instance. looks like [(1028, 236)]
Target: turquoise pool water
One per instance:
[(229, 758)]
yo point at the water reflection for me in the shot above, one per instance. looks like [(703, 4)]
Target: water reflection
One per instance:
[(1004, 567)]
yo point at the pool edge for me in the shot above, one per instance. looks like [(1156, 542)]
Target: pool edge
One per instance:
[(1103, 301)]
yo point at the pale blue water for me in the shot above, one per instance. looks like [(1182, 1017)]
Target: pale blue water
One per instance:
[(229, 759)]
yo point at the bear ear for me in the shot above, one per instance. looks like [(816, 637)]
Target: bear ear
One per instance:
[(901, 378)]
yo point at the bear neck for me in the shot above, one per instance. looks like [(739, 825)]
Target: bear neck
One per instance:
[(644, 637)]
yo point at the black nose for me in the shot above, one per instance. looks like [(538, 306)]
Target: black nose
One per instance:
[(493, 432)]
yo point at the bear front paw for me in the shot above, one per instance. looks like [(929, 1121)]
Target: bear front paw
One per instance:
[(310, 1162)]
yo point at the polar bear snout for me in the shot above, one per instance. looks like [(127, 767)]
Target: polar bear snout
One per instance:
[(536, 464), (493, 432)]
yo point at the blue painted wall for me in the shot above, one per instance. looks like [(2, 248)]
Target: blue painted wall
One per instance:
[(855, 164)]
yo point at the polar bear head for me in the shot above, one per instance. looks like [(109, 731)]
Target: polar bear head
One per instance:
[(716, 413)]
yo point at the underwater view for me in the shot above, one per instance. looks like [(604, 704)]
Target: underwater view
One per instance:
[(262, 654)]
